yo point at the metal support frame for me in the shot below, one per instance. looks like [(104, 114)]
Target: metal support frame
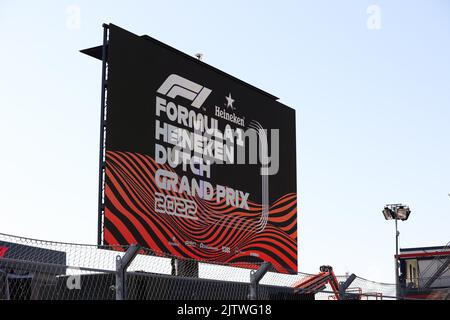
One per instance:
[(255, 278), (122, 263), (438, 273), (343, 286), (101, 177)]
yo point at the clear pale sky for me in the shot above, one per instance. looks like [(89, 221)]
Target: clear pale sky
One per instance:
[(373, 112)]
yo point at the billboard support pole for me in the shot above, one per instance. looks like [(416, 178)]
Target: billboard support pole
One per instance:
[(102, 138), (255, 278), (122, 263)]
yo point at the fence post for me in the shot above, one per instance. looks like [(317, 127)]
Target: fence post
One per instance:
[(255, 277), (122, 263), (343, 286)]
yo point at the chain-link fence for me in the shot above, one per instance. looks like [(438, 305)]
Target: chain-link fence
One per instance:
[(36, 269)]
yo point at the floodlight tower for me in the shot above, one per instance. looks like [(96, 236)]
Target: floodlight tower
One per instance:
[(396, 212)]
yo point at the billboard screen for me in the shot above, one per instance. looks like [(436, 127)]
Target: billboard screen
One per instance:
[(199, 164)]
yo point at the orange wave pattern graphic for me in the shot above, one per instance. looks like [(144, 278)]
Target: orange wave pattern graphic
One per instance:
[(130, 217)]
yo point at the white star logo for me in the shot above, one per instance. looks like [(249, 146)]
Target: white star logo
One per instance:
[(230, 101)]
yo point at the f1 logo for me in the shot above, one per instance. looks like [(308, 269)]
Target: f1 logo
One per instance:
[(176, 85)]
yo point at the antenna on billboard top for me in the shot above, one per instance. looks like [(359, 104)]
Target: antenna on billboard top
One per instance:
[(199, 56)]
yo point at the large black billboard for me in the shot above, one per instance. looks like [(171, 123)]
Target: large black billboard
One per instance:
[(199, 164)]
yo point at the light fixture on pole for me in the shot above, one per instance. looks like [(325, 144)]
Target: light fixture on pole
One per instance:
[(396, 212)]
